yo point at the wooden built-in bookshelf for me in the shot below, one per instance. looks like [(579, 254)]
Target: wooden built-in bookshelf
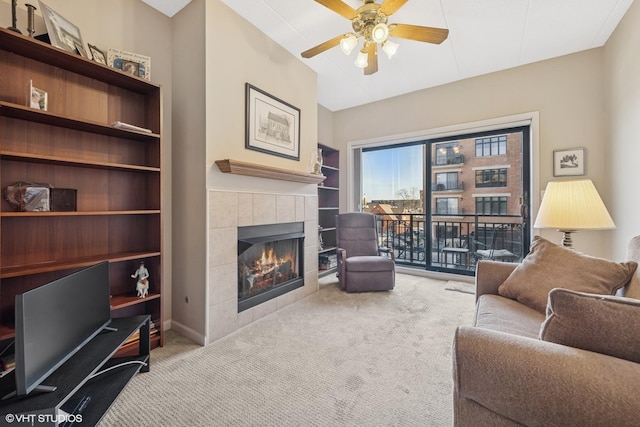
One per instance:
[(328, 208), (73, 144)]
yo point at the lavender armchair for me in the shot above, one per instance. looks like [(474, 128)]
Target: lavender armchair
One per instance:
[(361, 265)]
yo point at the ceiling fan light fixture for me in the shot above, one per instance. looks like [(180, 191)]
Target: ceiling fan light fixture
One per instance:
[(380, 33), (390, 48), (348, 43), (362, 60)]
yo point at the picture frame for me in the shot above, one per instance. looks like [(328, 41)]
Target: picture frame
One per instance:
[(62, 33), (98, 55), (569, 162), (131, 63), (272, 126), (80, 50), (37, 98)]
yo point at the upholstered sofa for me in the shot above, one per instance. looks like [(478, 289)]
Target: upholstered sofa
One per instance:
[(576, 363)]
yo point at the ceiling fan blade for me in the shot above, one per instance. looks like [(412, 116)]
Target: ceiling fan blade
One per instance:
[(340, 8), (421, 34), (323, 46), (389, 7), (372, 59)]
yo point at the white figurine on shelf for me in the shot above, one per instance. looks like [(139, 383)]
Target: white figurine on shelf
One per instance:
[(142, 287), (316, 162)]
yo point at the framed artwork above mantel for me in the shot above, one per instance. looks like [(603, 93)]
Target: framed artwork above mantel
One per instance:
[(272, 125)]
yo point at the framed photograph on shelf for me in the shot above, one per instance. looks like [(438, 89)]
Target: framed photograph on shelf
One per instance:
[(62, 33), (272, 125), (131, 63), (38, 98), (97, 54), (569, 162)]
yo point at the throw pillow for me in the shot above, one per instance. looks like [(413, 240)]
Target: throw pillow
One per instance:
[(603, 324), (551, 266)]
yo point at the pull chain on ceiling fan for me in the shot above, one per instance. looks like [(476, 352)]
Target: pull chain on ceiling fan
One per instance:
[(369, 22)]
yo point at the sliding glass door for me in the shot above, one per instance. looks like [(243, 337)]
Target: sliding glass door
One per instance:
[(445, 203)]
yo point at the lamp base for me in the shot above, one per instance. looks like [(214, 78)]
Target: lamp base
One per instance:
[(566, 239)]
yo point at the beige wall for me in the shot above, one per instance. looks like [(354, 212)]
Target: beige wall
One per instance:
[(135, 27), (258, 60), (567, 92), (622, 145), (189, 225)]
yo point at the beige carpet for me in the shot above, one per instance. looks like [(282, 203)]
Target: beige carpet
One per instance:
[(332, 359)]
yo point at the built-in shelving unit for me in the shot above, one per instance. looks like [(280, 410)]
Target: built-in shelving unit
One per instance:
[(73, 144), (328, 208)]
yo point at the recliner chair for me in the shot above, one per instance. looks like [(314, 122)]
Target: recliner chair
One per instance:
[(361, 265)]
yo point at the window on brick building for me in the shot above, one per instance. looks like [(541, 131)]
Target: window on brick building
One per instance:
[(491, 146), (491, 178), (493, 205)]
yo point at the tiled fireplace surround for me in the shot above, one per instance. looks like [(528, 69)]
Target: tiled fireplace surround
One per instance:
[(229, 210)]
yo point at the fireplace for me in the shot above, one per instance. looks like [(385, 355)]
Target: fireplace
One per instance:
[(270, 262)]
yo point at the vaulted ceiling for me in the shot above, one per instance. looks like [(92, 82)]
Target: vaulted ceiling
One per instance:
[(484, 36)]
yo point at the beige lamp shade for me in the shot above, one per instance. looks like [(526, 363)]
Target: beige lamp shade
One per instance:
[(572, 205)]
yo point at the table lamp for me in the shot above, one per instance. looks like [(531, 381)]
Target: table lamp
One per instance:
[(569, 206)]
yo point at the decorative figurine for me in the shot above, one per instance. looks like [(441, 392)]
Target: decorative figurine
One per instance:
[(317, 166), (14, 17), (142, 287)]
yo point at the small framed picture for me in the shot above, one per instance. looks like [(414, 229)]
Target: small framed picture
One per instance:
[(569, 162), (131, 63), (37, 98), (81, 51), (62, 33), (97, 54)]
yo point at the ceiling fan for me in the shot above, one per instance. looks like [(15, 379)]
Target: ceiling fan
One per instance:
[(369, 22)]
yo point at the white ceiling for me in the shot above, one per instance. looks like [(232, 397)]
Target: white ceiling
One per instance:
[(168, 7), (484, 36)]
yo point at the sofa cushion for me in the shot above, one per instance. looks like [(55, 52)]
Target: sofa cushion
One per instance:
[(550, 266), (506, 315), (603, 324)]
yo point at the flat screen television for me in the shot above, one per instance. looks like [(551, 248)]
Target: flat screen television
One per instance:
[(55, 320)]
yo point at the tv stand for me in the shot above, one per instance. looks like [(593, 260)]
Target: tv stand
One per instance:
[(91, 379)]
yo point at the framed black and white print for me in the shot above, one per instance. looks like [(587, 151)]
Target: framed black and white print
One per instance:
[(62, 33), (272, 125), (569, 162)]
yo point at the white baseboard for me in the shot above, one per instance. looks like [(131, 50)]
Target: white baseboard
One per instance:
[(188, 332)]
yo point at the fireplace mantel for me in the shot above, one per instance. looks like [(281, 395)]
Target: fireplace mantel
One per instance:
[(261, 171)]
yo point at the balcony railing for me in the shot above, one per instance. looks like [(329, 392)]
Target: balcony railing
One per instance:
[(454, 244), (456, 159), (449, 186)]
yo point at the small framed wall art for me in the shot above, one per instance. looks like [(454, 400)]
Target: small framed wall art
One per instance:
[(569, 162), (272, 125)]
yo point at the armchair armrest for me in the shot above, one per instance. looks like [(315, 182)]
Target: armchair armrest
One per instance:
[(490, 275), (387, 251), (534, 382)]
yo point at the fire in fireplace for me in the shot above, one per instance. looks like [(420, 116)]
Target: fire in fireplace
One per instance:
[(270, 259)]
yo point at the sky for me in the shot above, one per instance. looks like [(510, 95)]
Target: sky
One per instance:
[(385, 172)]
